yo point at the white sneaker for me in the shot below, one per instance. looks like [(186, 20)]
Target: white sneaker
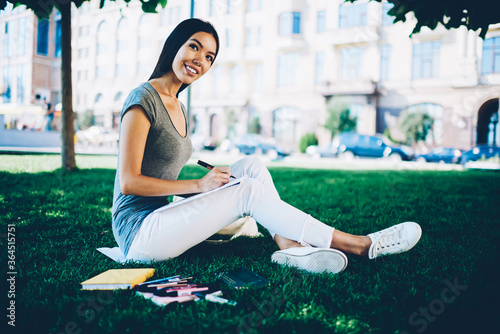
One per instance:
[(394, 240), (314, 260)]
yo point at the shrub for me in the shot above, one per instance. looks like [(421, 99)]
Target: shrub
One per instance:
[(307, 140)]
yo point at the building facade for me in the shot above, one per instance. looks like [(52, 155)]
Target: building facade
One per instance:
[(280, 65), (29, 59)]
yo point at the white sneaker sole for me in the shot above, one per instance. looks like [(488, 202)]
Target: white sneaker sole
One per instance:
[(317, 261)]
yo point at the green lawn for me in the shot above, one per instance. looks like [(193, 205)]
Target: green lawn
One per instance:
[(447, 284)]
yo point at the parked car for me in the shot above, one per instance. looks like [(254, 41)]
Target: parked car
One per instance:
[(201, 143), (316, 151), (254, 144), (97, 136), (350, 144), (477, 153), (440, 154)]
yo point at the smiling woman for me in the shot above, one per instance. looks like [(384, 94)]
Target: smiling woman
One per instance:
[(181, 35), (194, 58), (154, 147)]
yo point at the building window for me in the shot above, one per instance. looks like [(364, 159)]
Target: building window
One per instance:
[(174, 16), (82, 75), (57, 43), (253, 36), (171, 15), (146, 23), (123, 34), (195, 9), (217, 73), (211, 8), (142, 68), (426, 60), (229, 7), (352, 15), (285, 124), (102, 40), (254, 5), (22, 42), (250, 4), (435, 111), (385, 62), (259, 36), (319, 68), (288, 64), (387, 19), (100, 72), (6, 84), (249, 39), (228, 38), (82, 53), (20, 83), (163, 18), (258, 78), (42, 44), (179, 14), (143, 42), (289, 23), (352, 63), (234, 79), (121, 70), (491, 56), (7, 40), (83, 31), (121, 45), (101, 48), (321, 22)]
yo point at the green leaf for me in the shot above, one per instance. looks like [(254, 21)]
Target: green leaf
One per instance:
[(163, 3), (149, 6)]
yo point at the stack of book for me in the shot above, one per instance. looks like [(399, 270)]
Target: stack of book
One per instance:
[(174, 289), (164, 291), (118, 279), (179, 289)]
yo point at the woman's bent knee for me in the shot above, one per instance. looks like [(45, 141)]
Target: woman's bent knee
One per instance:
[(248, 164)]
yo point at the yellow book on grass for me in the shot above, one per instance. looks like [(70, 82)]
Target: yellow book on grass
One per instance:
[(118, 279)]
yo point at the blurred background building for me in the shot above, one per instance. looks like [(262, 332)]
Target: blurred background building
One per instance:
[(281, 66)]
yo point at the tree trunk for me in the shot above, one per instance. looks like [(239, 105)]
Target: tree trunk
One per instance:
[(68, 117)]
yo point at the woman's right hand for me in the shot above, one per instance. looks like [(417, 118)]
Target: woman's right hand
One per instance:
[(217, 177)]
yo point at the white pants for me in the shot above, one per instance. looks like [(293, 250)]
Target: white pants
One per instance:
[(169, 233)]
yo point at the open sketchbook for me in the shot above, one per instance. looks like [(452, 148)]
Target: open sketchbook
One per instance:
[(231, 183)]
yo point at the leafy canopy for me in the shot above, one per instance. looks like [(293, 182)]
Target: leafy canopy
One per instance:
[(473, 14), (43, 8)]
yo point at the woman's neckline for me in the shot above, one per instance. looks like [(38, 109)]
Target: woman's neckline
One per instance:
[(170, 118)]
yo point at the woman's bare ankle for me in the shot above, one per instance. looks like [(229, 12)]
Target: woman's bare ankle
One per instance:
[(365, 247), (352, 244), (284, 243)]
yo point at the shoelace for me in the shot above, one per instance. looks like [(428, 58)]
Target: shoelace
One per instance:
[(386, 239)]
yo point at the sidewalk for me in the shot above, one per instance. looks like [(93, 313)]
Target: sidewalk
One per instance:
[(79, 149), (296, 160)]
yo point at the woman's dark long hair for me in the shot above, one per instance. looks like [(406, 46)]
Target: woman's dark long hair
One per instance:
[(176, 39)]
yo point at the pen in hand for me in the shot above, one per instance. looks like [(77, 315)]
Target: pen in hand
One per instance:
[(204, 164)]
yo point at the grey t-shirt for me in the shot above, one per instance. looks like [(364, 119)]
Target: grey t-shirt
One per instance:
[(165, 154)]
